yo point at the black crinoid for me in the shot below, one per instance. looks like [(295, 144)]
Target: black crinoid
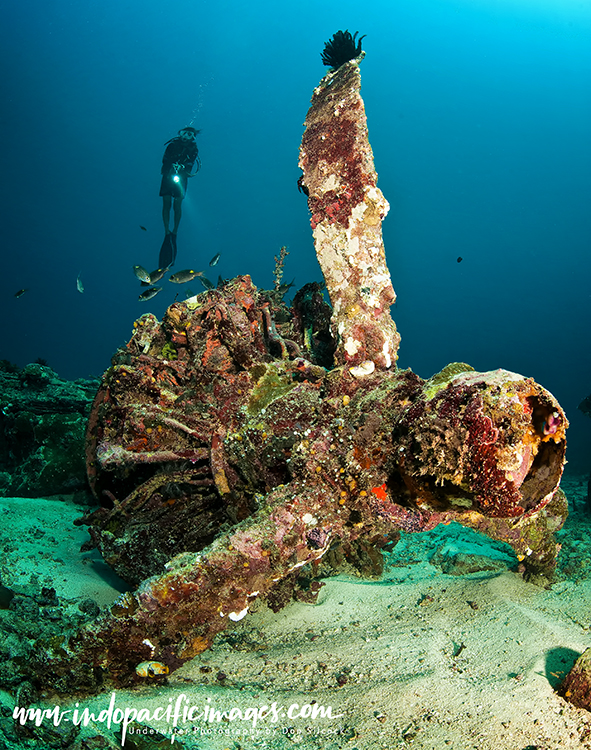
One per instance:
[(341, 48)]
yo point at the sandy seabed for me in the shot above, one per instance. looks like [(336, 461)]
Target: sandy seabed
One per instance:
[(420, 658)]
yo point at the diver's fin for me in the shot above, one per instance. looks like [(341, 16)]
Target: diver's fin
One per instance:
[(167, 252), (172, 236)]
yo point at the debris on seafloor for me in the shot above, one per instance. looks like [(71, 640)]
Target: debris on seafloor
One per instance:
[(576, 686), (42, 429), (228, 453)]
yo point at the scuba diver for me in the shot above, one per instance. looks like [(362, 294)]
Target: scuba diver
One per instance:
[(180, 156)]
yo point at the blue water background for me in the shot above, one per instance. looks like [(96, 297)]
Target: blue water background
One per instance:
[(479, 115)]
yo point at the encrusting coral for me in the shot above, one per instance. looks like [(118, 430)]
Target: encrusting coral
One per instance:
[(347, 210), (225, 470)]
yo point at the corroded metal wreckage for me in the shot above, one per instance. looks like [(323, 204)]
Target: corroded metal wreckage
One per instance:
[(347, 210), (228, 454)]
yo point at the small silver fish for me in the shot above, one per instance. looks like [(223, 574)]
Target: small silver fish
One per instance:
[(79, 285), (215, 259), (149, 293), (206, 283), (157, 275), (181, 277), (284, 288), (143, 228), (141, 273)]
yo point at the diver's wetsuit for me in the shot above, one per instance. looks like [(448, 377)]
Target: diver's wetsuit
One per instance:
[(183, 154)]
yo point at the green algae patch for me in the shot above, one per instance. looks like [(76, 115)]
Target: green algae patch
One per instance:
[(169, 352), (272, 385), (441, 379)]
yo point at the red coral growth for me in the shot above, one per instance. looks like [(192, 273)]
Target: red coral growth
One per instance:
[(331, 145), (380, 492), (492, 457), (331, 141)]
